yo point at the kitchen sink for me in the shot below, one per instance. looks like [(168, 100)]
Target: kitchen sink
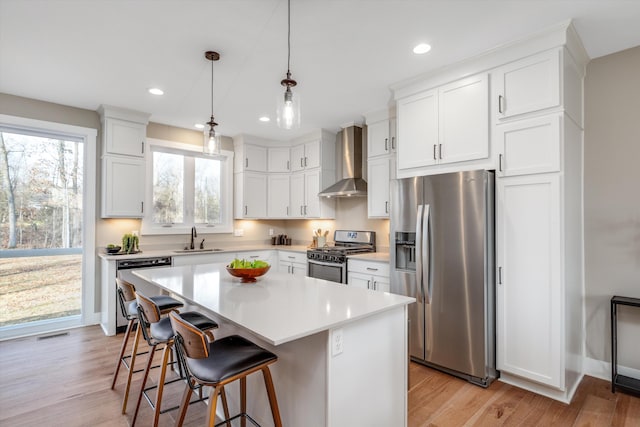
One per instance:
[(188, 251)]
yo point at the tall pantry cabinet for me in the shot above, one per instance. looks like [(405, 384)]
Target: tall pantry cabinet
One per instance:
[(535, 146)]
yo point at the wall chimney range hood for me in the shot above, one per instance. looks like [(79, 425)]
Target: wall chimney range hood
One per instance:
[(351, 184)]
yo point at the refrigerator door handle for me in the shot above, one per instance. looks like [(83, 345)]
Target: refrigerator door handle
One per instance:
[(419, 216), (426, 267)]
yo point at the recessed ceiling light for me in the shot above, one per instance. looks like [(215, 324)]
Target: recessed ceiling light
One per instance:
[(199, 126), (156, 91), (421, 48), (264, 119)]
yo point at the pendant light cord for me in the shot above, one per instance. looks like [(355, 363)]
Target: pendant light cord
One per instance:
[(212, 88), (288, 37)]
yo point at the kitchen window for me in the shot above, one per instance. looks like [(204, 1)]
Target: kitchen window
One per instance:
[(187, 188)]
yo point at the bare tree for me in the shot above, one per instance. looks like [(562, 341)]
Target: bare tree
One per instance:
[(9, 188), (62, 172)]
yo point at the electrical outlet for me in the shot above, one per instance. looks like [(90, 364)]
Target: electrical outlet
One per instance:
[(238, 232), (271, 232), (337, 342)]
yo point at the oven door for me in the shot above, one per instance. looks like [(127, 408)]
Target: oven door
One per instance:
[(334, 272)]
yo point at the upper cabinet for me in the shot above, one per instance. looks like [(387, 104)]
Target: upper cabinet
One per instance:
[(448, 124), (381, 164), (381, 137), (305, 156), (527, 85), (278, 159), (250, 153), (123, 166)]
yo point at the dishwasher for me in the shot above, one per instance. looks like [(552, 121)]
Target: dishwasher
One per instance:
[(130, 264)]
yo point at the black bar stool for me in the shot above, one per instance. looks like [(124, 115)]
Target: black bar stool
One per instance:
[(157, 330), (129, 309), (217, 364)]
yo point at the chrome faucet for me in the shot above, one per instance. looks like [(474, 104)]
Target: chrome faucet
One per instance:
[(193, 235)]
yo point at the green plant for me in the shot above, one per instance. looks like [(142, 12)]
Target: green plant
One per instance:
[(130, 243)]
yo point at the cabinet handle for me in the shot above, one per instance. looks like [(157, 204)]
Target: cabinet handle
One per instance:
[(500, 100), (288, 165), (301, 160), (245, 209), (291, 257), (246, 162), (386, 207), (500, 162), (500, 275), (368, 284), (372, 269), (375, 285), (305, 161), (254, 256), (393, 142), (289, 269), (301, 210), (142, 207), (440, 151), (287, 210), (142, 143), (434, 152), (305, 210), (386, 144)]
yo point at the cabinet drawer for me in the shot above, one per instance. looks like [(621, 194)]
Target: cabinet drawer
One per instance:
[(529, 146), (254, 255), (300, 257), (368, 267)]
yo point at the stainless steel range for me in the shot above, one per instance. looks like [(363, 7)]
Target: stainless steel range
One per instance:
[(330, 262)]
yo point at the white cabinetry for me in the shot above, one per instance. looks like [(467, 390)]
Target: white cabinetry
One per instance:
[(529, 290), (368, 275), (527, 85), (250, 195), (445, 125), (267, 256), (123, 165), (278, 195), (292, 263), (381, 164), (305, 156), (202, 258), (278, 159)]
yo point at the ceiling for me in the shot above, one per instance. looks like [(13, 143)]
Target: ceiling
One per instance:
[(345, 53)]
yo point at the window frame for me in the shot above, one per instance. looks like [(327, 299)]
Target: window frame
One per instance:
[(226, 191)]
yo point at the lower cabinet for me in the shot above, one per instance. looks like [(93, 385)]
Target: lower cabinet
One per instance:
[(292, 263), (267, 256), (203, 258), (529, 289), (368, 275)]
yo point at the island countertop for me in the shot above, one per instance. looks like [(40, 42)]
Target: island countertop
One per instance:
[(279, 307)]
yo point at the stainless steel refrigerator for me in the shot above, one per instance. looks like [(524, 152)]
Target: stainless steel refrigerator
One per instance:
[(442, 253)]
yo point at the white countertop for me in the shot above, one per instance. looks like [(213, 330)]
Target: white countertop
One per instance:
[(223, 249), (372, 256), (279, 307)]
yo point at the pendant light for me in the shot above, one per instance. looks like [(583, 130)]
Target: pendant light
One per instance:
[(288, 113), (211, 140)]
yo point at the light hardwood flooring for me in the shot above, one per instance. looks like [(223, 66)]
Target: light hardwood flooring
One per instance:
[(65, 380)]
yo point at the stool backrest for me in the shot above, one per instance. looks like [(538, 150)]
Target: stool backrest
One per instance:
[(149, 308), (128, 291), (192, 339)]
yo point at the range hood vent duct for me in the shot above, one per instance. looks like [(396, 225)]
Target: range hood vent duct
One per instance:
[(351, 184)]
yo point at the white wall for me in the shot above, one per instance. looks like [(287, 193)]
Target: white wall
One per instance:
[(612, 202)]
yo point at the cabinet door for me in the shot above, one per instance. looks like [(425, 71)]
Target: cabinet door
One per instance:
[(124, 137), (299, 269), (278, 200), (123, 187), (297, 202), (255, 195), (381, 284), (378, 139), (297, 158), (464, 120), (311, 190), (378, 187), (359, 280), (529, 146), (418, 130), (529, 289), (312, 155), (284, 267), (528, 85), (278, 159), (255, 158)]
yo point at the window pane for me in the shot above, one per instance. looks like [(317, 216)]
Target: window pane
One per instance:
[(168, 172), (207, 191)]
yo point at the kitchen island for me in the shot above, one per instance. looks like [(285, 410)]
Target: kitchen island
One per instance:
[(342, 352)]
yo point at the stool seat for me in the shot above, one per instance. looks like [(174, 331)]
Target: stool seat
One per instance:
[(228, 357), (162, 331), (164, 303)]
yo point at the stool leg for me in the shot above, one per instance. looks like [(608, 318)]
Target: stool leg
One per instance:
[(271, 392), (225, 407), (122, 350), (160, 389), (213, 401), (152, 352), (134, 351), (184, 404), (243, 400)]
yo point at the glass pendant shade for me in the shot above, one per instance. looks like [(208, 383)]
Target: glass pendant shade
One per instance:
[(288, 113), (212, 143)]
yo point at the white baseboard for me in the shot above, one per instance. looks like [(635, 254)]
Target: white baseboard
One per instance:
[(602, 369)]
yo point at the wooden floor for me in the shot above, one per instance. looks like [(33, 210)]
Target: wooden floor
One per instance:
[(65, 380)]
